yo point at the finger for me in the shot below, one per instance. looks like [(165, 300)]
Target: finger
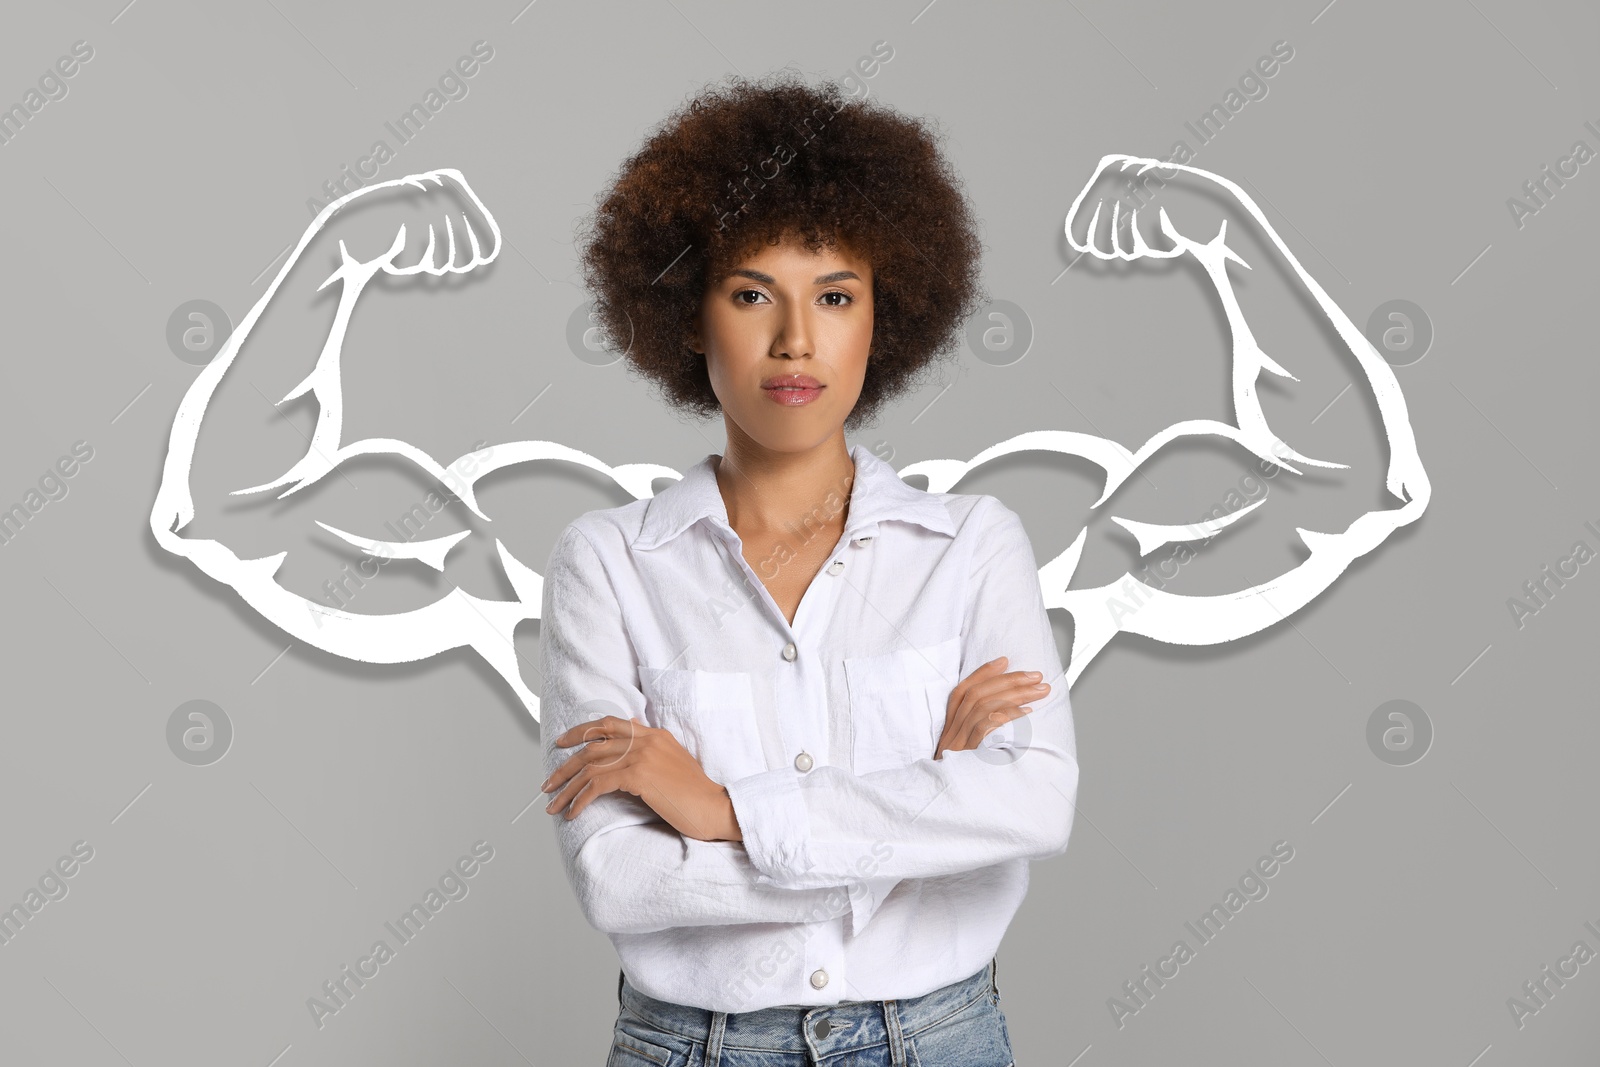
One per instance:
[(1012, 688), (964, 731), (595, 786), (981, 672), (959, 721), (569, 767), (1026, 684), (994, 714), (600, 753), (975, 733), (990, 674), (584, 731), (606, 743), (606, 726), (992, 718), (564, 796), (572, 763), (580, 774)]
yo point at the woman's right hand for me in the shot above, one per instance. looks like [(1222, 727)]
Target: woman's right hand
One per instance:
[(985, 699)]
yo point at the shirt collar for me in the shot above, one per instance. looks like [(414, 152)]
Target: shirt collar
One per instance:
[(877, 495)]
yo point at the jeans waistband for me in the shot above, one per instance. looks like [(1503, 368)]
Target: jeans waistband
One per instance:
[(797, 1028)]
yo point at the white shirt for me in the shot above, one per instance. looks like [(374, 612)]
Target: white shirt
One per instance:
[(868, 869)]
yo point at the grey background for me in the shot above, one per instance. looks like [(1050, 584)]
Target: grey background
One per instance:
[(220, 897)]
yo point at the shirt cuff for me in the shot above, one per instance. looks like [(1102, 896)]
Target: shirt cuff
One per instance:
[(774, 824)]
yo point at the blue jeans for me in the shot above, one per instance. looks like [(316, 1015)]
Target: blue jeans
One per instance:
[(959, 1025)]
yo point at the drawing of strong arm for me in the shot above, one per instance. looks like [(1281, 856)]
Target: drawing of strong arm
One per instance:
[(426, 230), (1121, 214), (429, 225)]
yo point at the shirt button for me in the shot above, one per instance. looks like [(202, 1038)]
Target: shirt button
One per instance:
[(861, 542), (802, 762), (790, 652), (819, 978), (838, 565)]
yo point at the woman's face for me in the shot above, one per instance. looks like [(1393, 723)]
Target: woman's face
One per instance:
[(786, 316)]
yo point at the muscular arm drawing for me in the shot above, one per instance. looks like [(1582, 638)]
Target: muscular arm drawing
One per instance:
[(432, 226)]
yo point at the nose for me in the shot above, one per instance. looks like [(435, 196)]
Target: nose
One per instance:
[(794, 335)]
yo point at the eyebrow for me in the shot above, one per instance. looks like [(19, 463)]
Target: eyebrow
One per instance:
[(821, 279)]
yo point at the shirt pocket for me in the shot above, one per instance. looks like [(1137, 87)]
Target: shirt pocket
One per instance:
[(712, 714), (897, 703)]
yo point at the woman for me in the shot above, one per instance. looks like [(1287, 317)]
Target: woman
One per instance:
[(790, 768)]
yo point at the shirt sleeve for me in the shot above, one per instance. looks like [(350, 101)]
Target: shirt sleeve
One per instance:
[(632, 871), (1012, 798)]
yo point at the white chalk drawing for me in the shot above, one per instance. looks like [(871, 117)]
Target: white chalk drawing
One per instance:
[(459, 619)]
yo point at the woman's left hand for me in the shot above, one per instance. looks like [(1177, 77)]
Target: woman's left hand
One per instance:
[(649, 762)]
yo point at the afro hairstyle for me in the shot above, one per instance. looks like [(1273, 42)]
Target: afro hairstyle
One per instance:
[(748, 162)]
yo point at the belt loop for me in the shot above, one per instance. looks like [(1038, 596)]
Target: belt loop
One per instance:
[(619, 987), (994, 973), (891, 1023), (719, 1023)]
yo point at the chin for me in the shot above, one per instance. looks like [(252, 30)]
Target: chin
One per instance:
[(790, 434)]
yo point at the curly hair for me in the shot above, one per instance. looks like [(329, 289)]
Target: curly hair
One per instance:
[(753, 161)]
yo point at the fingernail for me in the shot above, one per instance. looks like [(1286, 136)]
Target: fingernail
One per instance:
[(1035, 675)]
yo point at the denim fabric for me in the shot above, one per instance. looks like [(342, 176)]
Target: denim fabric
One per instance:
[(958, 1025)]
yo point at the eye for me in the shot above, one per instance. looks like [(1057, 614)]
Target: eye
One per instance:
[(845, 299)]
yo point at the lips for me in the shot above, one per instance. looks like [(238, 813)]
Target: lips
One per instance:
[(792, 390), (792, 381)]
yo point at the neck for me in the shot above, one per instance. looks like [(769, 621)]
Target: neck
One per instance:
[(765, 491)]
